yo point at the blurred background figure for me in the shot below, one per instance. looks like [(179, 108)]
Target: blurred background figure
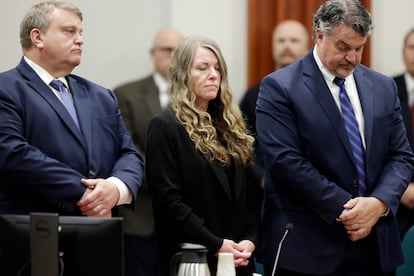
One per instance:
[(290, 42), (139, 101), (197, 157), (405, 84)]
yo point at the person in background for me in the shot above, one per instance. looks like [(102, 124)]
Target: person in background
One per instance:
[(337, 158), (405, 85), (197, 156), (290, 42), (139, 101), (63, 145)]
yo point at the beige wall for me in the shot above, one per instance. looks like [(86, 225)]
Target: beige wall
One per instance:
[(118, 37), (392, 19)]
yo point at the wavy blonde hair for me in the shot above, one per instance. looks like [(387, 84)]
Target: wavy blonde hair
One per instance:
[(220, 133)]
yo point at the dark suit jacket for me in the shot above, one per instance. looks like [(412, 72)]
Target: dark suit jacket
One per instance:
[(405, 217), (139, 102), (405, 108), (310, 172), (248, 107), (43, 155), (193, 200)]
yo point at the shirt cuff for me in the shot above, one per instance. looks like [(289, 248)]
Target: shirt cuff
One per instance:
[(386, 213), (125, 196)]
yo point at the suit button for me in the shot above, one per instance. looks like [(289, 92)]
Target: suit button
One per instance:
[(92, 173), (355, 183)]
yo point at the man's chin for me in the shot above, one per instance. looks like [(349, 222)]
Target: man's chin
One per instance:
[(286, 61), (343, 73), (76, 62)]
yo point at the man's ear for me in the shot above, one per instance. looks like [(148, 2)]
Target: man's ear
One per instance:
[(37, 38)]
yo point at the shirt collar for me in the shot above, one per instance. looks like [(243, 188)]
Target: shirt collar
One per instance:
[(42, 73), (160, 82), (328, 76), (409, 80)]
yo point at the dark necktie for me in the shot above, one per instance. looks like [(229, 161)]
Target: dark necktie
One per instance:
[(66, 99), (351, 126)]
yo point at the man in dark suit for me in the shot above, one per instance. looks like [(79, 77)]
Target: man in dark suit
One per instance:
[(405, 85), (290, 42), (52, 160), (139, 101), (336, 154)]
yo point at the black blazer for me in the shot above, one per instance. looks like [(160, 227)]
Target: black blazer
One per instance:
[(405, 108), (405, 217), (248, 107), (192, 198)]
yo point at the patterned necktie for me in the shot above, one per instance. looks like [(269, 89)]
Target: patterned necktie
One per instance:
[(66, 99), (354, 136)]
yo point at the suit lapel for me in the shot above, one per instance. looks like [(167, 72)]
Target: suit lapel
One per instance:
[(44, 91), (84, 112), (238, 179), (152, 101), (34, 81), (365, 91), (221, 176), (313, 80)]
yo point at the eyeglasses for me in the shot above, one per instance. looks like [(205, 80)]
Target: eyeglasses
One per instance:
[(167, 50)]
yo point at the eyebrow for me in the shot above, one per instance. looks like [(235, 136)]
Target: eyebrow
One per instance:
[(348, 45)]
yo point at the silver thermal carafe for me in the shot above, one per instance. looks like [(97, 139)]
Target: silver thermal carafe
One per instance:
[(192, 261)]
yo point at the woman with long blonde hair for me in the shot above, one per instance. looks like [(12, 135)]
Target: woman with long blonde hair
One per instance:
[(198, 159)]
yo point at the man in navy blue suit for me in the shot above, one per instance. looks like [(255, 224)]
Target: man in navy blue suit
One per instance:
[(312, 180), (83, 163)]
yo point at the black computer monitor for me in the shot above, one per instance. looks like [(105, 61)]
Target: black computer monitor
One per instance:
[(87, 246)]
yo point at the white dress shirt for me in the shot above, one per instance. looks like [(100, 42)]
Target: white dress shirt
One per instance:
[(125, 196), (351, 90)]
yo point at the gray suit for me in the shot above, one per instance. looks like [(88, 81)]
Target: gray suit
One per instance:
[(139, 102)]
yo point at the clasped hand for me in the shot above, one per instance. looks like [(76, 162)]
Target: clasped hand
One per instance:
[(99, 198), (359, 216), (241, 251)]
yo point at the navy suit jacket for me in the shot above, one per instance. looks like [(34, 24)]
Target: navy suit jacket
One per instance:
[(309, 167), (43, 155)]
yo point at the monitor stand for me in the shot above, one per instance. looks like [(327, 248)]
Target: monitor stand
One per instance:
[(44, 244)]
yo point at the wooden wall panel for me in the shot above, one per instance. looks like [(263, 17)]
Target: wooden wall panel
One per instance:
[(263, 15)]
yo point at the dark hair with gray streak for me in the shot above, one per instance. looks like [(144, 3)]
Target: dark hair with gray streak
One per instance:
[(350, 13)]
